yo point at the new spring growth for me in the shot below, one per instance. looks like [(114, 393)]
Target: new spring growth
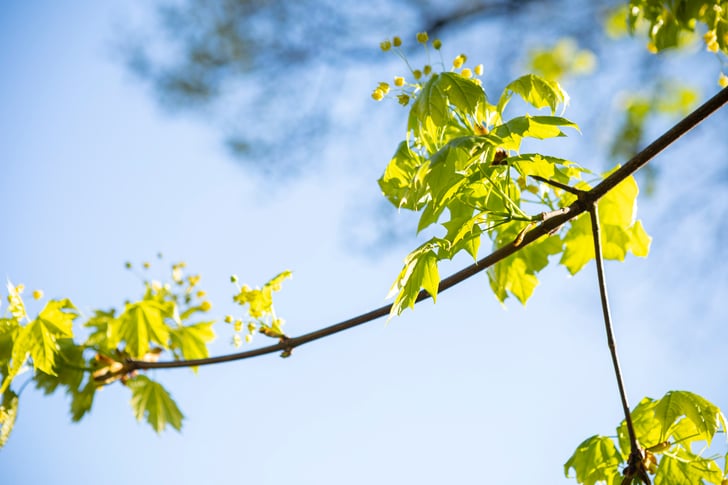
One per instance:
[(711, 41), (408, 92)]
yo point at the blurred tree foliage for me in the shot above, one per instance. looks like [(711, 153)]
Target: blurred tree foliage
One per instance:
[(243, 64)]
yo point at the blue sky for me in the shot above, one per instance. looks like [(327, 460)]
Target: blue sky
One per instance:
[(94, 174)]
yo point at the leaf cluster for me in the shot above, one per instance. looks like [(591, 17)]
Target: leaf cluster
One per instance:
[(461, 167), (674, 433), (169, 318), (671, 23)]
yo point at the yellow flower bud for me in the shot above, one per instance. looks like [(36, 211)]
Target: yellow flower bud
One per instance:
[(37, 294), (417, 73), (403, 99), (652, 47), (385, 46), (234, 278), (479, 70), (146, 265), (427, 69), (20, 288), (237, 341), (466, 73), (422, 37), (238, 325), (397, 41), (384, 87), (201, 294), (205, 306), (228, 318), (723, 80), (377, 95), (248, 338), (437, 43), (458, 61), (398, 81)]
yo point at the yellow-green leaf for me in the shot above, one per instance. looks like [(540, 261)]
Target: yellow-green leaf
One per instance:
[(596, 460), (191, 340), (143, 323), (8, 413), (151, 401)]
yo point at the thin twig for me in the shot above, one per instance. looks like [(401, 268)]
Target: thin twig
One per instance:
[(546, 227), (635, 466), (558, 185)]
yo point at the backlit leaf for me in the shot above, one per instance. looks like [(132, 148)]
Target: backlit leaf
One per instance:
[(191, 340), (151, 401), (420, 271), (595, 460), (535, 90), (685, 468), (706, 417), (8, 414), (143, 322), (400, 182)]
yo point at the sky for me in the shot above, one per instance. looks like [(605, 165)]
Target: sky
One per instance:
[(95, 174)]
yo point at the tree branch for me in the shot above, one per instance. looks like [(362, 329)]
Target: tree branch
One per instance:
[(587, 199), (635, 455)]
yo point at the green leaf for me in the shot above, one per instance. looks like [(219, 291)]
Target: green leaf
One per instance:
[(420, 271), (57, 318), (39, 337), (595, 460), (431, 104), (448, 172), (535, 90), (465, 95), (685, 468), (8, 332), (8, 414), (430, 111), (82, 399), (517, 273), (402, 182), (275, 283), (706, 417), (646, 427), (151, 401), (191, 340), (68, 369), (142, 323), (620, 232), (103, 324)]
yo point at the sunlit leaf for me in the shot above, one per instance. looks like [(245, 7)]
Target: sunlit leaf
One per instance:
[(420, 271), (8, 414), (151, 401), (706, 417), (535, 90), (143, 322), (400, 182), (192, 340), (595, 460), (103, 324), (685, 468)]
